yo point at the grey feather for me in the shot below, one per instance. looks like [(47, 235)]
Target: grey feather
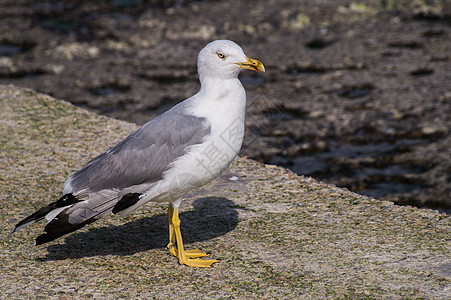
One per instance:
[(132, 166), (144, 155)]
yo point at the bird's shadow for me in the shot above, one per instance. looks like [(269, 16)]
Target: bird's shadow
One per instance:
[(211, 217)]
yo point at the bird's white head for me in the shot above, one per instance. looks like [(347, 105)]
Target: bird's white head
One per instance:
[(224, 59)]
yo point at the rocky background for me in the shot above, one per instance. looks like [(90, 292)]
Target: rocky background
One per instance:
[(356, 93)]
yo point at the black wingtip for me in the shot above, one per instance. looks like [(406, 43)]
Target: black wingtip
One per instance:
[(126, 201), (36, 216), (59, 227), (44, 238), (65, 200)]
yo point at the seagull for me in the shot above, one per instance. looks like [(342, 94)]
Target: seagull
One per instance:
[(180, 150)]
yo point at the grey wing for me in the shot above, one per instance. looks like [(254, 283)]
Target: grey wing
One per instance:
[(98, 188), (143, 156)]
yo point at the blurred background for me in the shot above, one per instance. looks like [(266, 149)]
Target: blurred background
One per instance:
[(356, 93)]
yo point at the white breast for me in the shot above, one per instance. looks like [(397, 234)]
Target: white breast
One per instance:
[(206, 161)]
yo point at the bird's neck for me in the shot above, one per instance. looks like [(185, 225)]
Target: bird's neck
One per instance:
[(219, 88), (224, 98)]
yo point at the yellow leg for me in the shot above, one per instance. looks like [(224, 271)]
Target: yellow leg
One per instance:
[(171, 245), (172, 238), (186, 257)]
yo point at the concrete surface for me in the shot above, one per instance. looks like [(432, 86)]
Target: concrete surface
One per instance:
[(277, 235)]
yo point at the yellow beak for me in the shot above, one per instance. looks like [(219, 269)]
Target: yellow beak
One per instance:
[(252, 64)]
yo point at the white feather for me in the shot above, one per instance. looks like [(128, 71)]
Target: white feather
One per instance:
[(21, 226), (51, 215)]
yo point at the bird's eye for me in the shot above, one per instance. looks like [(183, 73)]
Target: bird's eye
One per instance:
[(220, 55)]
